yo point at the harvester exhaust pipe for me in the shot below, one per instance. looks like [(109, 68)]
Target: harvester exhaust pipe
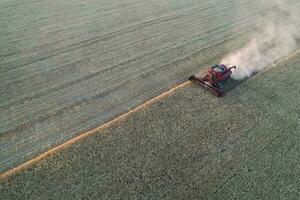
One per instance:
[(233, 67)]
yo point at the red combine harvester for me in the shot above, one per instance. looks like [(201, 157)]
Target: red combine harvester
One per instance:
[(215, 78)]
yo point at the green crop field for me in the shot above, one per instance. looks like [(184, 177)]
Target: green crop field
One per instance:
[(189, 145), (67, 67)]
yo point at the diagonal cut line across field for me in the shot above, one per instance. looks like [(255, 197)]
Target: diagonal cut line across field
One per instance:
[(119, 119), (66, 68)]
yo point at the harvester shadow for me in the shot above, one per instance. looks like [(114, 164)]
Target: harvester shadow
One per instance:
[(232, 83)]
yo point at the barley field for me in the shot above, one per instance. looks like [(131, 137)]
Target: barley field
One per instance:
[(67, 67)]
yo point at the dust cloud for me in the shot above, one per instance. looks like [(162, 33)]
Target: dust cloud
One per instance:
[(276, 40)]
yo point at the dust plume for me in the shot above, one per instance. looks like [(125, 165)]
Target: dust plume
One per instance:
[(276, 40)]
